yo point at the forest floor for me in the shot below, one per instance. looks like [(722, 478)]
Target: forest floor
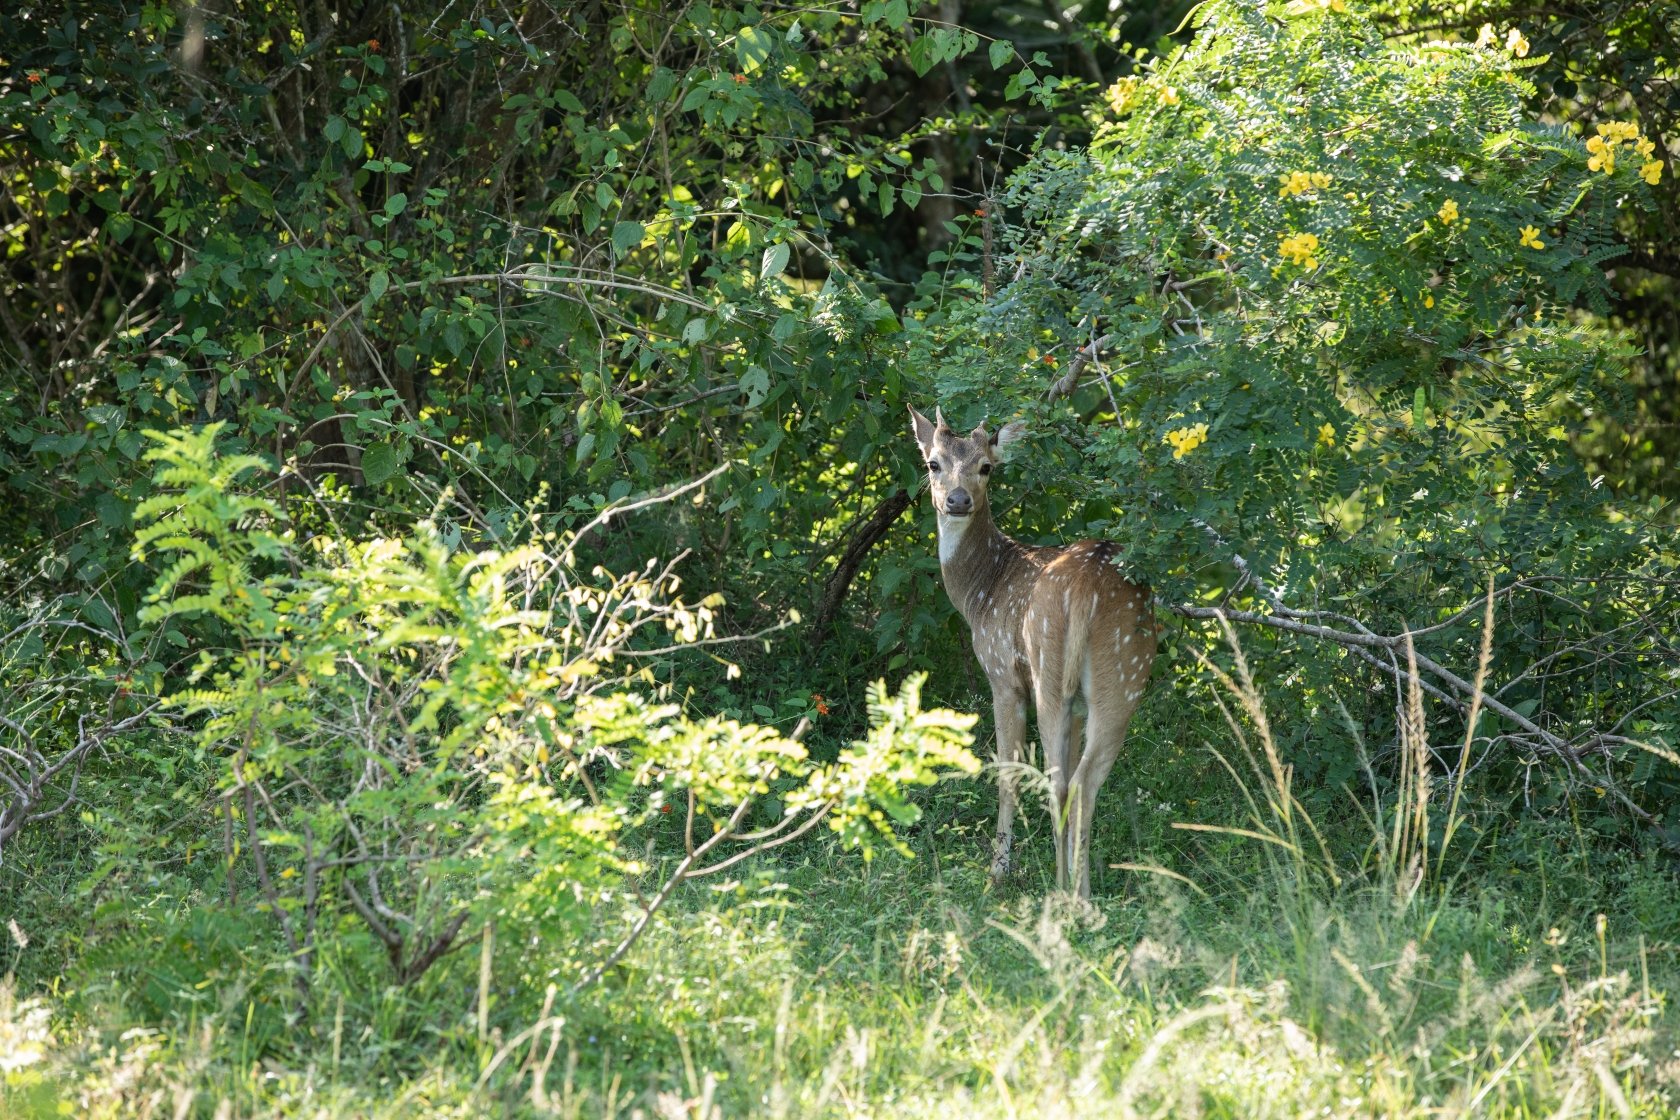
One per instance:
[(1233, 980)]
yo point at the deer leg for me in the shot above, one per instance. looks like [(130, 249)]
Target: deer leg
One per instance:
[(1076, 737), (1103, 741), (1054, 717), (1009, 714)]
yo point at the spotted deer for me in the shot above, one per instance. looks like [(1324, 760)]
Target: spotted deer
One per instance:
[(1058, 624)]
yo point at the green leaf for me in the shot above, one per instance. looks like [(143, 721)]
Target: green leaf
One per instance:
[(627, 235), (380, 461), (897, 14), (334, 130), (775, 260), (755, 383), (884, 197), (396, 204), (568, 102), (664, 81), (258, 196), (922, 55), (96, 612), (911, 193), (381, 281), (753, 46), (1000, 52), (1419, 400), (696, 98)]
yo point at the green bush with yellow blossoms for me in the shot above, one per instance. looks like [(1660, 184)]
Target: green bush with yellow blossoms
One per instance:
[(1323, 317)]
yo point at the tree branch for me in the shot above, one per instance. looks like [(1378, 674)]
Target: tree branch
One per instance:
[(840, 580)]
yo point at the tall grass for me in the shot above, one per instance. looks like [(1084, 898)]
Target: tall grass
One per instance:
[(1273, 981)]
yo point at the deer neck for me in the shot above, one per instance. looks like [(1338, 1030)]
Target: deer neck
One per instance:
[(972, 556)]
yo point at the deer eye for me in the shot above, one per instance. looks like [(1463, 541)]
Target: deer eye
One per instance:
[(985, 468), (933, 464)]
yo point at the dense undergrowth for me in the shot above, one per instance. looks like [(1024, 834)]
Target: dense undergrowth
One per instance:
[(1526, 977)]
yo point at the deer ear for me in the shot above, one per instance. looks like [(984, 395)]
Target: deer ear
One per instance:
[(1006, 435), (939, 420), (924, 432)]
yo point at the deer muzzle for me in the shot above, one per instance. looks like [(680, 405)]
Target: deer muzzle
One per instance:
[(958, 503)]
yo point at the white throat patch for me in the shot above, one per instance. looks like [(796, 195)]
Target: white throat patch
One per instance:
[(951, 530)]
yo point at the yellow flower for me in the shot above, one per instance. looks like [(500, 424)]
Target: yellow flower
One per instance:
[(1120, 94), (1428, 300), (1169, 95), (1186, 440), (1651, 172), (1327, 435), (1605, 162), (1531, 238), (1515, 43), (1301, 249), (1488, 37), (1624, 130), (1595, 144), (1448, 212), (1300, 182)]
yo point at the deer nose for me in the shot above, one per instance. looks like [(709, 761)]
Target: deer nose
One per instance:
[(958, 503)]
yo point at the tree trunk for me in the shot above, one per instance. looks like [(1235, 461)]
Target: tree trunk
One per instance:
[(840, 580)]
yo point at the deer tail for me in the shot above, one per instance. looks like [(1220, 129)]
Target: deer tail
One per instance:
[(1074, 645)]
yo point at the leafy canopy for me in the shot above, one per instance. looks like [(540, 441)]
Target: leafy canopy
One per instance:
[(1331, 279)]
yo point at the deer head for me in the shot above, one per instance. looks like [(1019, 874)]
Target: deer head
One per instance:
[(959, 467)]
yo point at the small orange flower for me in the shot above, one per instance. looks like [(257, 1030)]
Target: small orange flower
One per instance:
[(34, 76), (740, 77), (373, 44), (664, 808), (822, 706), (980, 213)]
